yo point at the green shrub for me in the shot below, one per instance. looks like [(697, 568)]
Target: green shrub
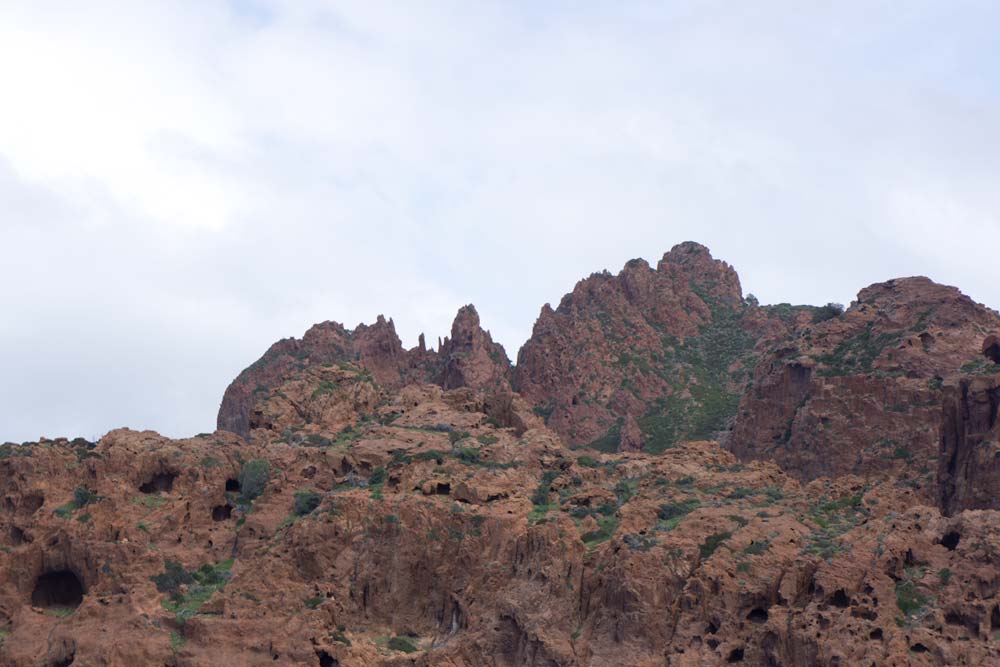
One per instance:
[(172, 578), (83, 496), (711, 543), (455, 436), (909, 599), (402, 644), (377, 477), (827, 312), (306, 501), (253, 478)]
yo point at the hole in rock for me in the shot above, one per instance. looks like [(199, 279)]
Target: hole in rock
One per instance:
[(443, 489), (757, 615), (160, 482), (875, 634), (65, 661), (18, 536), (60, 589), (222, 512), (327, 660), (991, 349), (712, 628), (950, 540), (31, 503), (736, 655), (840, 599), (918, 648), (995, 618)]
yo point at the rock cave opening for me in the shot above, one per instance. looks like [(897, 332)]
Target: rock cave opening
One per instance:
[(950, 540), (59, 589), (159, 483), (222, 512), (736, 655), (991, 349), (232, 484), (326, 660), (757, 615)]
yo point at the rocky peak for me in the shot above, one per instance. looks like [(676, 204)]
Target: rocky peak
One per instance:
[(470, 358)]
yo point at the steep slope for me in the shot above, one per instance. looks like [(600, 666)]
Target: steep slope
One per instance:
[(650, 357), (862, 393)]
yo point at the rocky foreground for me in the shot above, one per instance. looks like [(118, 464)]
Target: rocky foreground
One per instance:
[(363, 504)]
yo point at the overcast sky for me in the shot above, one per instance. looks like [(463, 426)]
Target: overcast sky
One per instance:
[(183, 183)]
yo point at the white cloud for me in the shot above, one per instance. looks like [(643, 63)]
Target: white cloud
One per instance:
[(185, 182)]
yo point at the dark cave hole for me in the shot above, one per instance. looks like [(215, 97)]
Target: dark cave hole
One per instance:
[(736, 655), (61, 588), (327, 660), (18, 536), (65, 661), (991, 349), (222, 512), (875, 634), (757, 615), (160, 482), (995, 618), (232, 484), (443, 489), (950, 540), (840, 599), (918, 648)]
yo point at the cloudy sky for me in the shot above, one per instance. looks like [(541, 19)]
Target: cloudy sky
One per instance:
[(182, 183)]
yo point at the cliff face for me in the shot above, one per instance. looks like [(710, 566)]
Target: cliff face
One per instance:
[(862, 393), (423, 534), (969, 462)]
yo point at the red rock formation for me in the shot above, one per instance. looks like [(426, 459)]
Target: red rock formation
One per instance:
[(862, 393), (671, 346), (470, 359)]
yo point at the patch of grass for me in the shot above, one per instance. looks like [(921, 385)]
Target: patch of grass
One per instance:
[(206, 581), (607, 527), (757, 547), (314, 601), (672, 513), (402, 644), (487, 439), (909, 599), (149, 501), (177, 640)]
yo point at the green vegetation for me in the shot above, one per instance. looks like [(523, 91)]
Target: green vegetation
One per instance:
[(82, 497), (834, 518), (827, 312), (711, 543), (909, 599), (253, 479), (314, 601), (487, 439), (672, 513), (606, 528), (306, 501), (201, 585), (541, 494), (858, 353), (402, 644)]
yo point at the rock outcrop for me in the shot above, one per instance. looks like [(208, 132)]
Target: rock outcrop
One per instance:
[(469, 359), (861, 393), (673, 346)]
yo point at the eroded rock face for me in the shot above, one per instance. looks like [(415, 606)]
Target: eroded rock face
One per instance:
[(431, 537), (862, 393), (969, 463), (365, 505)]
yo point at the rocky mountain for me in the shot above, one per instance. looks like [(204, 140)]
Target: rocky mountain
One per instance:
[(672, 474)]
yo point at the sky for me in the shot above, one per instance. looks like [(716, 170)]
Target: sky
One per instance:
[(183, 183)]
